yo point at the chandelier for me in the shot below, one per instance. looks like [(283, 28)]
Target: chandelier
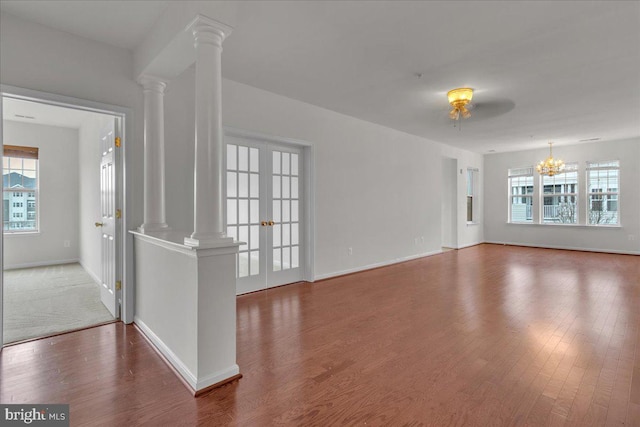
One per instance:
[(550, 166), (459, 98)]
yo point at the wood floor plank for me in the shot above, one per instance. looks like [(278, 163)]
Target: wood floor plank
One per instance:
[(490, 335)]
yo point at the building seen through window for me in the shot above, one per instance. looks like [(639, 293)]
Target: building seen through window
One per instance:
[(20, 189)]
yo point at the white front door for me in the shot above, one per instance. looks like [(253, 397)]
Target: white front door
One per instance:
[(264, 202), (107, 224)]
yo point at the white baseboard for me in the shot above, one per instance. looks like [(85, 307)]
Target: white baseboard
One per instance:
[(91, 273), (377, 265), (567, 248), (218, 377), (167, 353), (195, 383), (469, 245), (41, 264)]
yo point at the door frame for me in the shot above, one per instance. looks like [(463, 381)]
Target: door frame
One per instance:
[(309, 187), (125, 254)]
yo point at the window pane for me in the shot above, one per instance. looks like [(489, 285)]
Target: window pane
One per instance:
[(277, 264), (295, 257), (243, 185), (243, 211), (276, 211), (254, 263), (294, 188), (243, 264), (243, 158), (254, 161), (232, 232), (602, 188), (521, 209), (276, 235), (560, 209), (276, 187), (29, 164), (254, 238), (294, 164), (286, 234), (285, 211), (295, 239), (255, 211), (232, 212), (286, 258), (254, 186), (243, 236), (276, 162), (294, 210), (232, 185), (285, 163), (285, 187), (19, 202)]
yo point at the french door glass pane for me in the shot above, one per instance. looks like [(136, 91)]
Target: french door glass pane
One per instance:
[(243, 205), (285, 208)]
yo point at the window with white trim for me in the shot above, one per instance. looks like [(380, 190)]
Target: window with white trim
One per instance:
[(521, 194), (20, 184), (603, 191), (560, 196)]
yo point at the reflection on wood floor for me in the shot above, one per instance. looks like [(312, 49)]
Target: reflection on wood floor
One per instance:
[(488, 335)]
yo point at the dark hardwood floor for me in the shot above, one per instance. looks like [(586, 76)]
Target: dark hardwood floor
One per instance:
[(488, 335)]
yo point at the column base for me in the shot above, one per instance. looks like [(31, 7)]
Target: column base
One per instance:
[(146, 228), (208, 241)]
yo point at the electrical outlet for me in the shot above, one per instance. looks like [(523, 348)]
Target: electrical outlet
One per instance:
[(67, 243), (632, 237), (349, 251), (422, 239), (415, 241)]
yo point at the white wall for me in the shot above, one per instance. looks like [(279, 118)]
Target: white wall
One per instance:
[(377, 189), (57, 199), (36, 57), (89, 190), (624, 239)]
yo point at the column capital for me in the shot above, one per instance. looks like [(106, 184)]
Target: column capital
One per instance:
[(152, 83), (209, 31)]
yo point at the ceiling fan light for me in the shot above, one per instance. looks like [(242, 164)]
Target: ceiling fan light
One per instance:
[(461, 95)]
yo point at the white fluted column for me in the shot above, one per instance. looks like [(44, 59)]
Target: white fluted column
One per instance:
[(154, 192), (208, 167)]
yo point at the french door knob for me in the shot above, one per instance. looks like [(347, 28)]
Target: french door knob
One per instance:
[(263, 223), (99, 224), (271, 223)]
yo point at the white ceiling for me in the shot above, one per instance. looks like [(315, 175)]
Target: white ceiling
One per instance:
[(122, 23), (34, 112), (561, 71)]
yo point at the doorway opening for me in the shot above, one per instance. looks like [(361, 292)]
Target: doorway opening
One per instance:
[(449, 204), (62, 208)]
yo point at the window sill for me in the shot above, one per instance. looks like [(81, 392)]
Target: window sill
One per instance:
[(473, 223), (565, 225), (21, 233)]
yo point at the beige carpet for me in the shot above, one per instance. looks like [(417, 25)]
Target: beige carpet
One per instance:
[(47, 300)]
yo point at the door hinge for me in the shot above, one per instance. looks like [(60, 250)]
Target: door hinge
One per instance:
[(118, 285), (118, 213), (118, 141)]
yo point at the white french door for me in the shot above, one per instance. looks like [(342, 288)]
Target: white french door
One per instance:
[(264, 202), (109, 213)]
